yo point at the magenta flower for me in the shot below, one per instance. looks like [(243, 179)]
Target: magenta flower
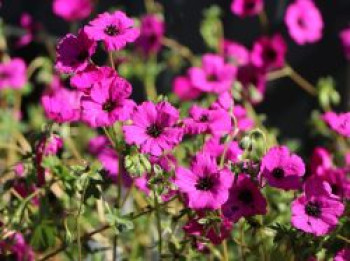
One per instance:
[(214, 121), (244, 123), (115, 30), (30, 26), (214, 75), (107, 103), (49, 146), (245, 200), (338, 180), (184, 89), (62, 105), (215, 148), (151, 34), (72, 10), (340, 122), (16, 245), (282, 169), (235, 53), (13, 74), (244, 8), (74, 52), (195, 229), (304, 22), (316, 211), (269, 52), (345, 40), (342, 255), (92, 75), (251, 76), (320, 161), (154, 128), (205, 185)]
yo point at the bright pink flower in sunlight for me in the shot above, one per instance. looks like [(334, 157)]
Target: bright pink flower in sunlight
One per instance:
[(72, 10), (235, 53), (304, 22), (340, 122), (244, 8), (115, 30), (13, 74)]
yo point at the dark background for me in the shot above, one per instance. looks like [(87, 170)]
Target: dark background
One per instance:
[(287, 106)]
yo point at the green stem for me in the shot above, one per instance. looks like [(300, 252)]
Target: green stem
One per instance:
[(159, 225), (150, 78)]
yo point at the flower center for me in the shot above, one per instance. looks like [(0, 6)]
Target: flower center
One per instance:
[(301, 22), (270, 54), (249, 5), (82, 56), (154, 131), (205, 183), (212, 78), (111, 30), (204, 118), (278, 173), (245, 196), (109, 106), (335, 189), (313, 209)]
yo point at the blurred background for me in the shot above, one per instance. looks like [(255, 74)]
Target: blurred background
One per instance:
[(287, 107)]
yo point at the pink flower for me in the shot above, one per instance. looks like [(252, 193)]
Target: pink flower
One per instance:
[(282, 169), (205, 185), (115, 30), (338, 180), (151, 34), (215, 148), (245, 200), (92, 75), (197, 230), (74, 52), (340, 122), (316, 211), (62, 105), (320, 161), (214, 121), (304, 22), (31, 27), (343, 255), (72, 10), (184, 89), (214, 75), (16, 245), (154, 128), (269, 52), (244, 8), (235, 53), (345, 40), (13, 74), (107, 103), (49, 146), (244, 123), (252, 77)]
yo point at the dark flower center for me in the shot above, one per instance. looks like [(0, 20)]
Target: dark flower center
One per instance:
[(204, 118), (270, 54), (335, 189), (212, 78), (154, 130), (249, 5), (301, 22), (245, 196), (205, 183), (152, 39), (109, 106), (278, 173), (82, 56), (313, 209), (111, 30)]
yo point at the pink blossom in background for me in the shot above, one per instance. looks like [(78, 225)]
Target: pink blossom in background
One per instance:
[(235, 53), (107, 102), (30, 26), (195, 229), (202, 120), (338, 180), (244, 123), (244, 8), (13, 74), (269, 52), (74, 52), (154, 128), (215, 148), (214, 75), (62, 105), (115, 30), (205, 184), (224, 101), (316, 211), (282, 169), (15, 244), (342, 255), (339, 123), (151, 34), (321, 160), (345, 40), (245, 200), (72, 10), (304, 22), (184, 89), (49, 146)]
